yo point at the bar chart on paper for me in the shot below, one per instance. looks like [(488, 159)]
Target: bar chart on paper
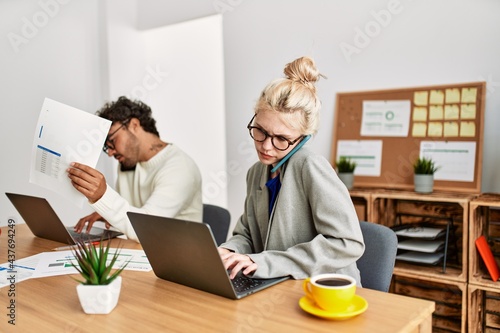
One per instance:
[(65, 134)]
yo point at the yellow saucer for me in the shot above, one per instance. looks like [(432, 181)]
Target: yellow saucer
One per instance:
[(358, 306)]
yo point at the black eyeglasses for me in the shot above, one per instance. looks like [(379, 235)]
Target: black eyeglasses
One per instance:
[(109, 143), (278, 142)]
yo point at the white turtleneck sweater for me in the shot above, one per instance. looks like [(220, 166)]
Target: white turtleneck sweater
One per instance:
[(169, 184)]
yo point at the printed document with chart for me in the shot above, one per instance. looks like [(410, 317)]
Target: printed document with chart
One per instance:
[(63, 135)]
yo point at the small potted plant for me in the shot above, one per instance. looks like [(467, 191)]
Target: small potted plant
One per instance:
[(100, 288), (424, 169), (345, 170)]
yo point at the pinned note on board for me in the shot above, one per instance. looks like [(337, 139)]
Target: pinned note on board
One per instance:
[(420, 113), (436, 112), (468, 111), (468, 129), (420, 97), (469, 95), (452, 95), (437, 97)]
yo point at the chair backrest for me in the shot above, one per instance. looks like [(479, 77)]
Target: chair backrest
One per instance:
[(376, 265), (219, 220)]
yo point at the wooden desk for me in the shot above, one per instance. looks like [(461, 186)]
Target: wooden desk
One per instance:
[(149, 304)]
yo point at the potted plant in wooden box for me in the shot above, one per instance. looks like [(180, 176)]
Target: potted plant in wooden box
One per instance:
[(424, 169), (345, 170), (100, 289)]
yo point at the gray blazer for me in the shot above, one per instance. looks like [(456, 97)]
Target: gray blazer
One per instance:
[(313, 227)]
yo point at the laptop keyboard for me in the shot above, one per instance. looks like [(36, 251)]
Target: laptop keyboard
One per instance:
[(242, 283), (84, 237)]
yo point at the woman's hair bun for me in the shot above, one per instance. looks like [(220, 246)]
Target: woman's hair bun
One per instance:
[(302, 70), (295, 94)]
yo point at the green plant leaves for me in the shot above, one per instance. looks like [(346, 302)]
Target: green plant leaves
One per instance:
[(95, 262), (345, 164), (424, 166)]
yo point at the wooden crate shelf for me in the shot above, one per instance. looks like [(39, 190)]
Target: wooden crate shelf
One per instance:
[(484, 220), (387, 204), (467, 299), (450, 298), (483, 309), (361, 199)]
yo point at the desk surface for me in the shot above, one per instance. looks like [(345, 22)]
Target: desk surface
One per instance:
[(149, 304)]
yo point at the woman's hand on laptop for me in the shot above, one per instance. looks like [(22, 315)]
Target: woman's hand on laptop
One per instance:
[(89, 220), (237, 262)]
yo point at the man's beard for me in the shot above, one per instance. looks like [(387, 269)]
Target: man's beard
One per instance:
[(133, 149), (125, 167)]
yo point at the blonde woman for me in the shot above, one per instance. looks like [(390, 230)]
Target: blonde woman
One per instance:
[(298, 218)]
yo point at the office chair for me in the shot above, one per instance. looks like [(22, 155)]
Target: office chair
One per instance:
[(376, 265), (219, 220)]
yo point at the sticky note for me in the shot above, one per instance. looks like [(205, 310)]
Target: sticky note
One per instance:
[(435, 129), (420, 97), (469, 95), (437, 97), (450, 129), (451, 112), (468, 111), (419, 113), (467, 129), (452, 95), (435, 112), (419, 129)]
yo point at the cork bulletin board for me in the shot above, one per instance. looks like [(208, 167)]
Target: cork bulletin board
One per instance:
[(446, 117)]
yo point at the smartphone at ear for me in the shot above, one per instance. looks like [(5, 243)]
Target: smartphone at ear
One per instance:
[(293, 151)]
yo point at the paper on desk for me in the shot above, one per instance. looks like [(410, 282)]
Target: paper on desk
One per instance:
[(63, 135), (138, 261), (59, 262), (21, 270)]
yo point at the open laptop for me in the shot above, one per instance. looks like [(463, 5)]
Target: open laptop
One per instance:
[(44, 222), (186, 252)]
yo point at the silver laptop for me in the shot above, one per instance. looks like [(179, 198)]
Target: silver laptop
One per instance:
[(185, 252), (43, 221)]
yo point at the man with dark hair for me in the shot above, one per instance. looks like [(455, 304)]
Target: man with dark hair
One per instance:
[(154, 177)]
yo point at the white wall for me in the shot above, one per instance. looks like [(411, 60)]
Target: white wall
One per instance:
[(157, 13), (189, 95), (46, 51)]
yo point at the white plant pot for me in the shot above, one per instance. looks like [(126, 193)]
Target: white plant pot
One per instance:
[(347, 178), (423, 183), (96, 299)]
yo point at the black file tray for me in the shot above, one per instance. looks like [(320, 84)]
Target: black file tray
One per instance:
[(434, 239)]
